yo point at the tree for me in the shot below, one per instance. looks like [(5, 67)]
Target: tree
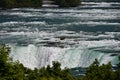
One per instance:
[(9, 70), (2, 3), (97, 72), (20, 3), (10, 3), (67, 3), (4, 51)]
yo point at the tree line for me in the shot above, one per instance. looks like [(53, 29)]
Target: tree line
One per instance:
[(10, 70), (68, 3), (36, 3), (20, 3)]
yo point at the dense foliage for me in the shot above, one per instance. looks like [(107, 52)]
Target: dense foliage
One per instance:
[(36, 3), (67, 3), (103, 72), (10, 70), (20, 3)]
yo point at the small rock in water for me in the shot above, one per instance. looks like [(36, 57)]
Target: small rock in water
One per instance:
[(62, 38), (113, 54)]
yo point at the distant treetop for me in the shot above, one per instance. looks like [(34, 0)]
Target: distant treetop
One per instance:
[(36, 3), (68, 3), (20, 3)]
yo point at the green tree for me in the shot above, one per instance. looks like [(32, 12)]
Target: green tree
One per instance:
[(20, 3), (2, 3), (9, 70), (67, 3), (10, 3), (4, 51), (97, 72)]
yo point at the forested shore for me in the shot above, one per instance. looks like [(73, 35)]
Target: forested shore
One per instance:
[(20, 3), (6, 4), (68, 3)]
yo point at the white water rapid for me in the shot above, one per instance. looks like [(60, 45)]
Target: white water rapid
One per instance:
[(36, 56)]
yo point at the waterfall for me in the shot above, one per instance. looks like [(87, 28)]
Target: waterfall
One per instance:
[(36, 56)]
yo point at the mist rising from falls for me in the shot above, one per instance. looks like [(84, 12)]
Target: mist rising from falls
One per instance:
[(36, 56)]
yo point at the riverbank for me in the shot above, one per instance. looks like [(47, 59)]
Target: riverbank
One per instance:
[(6, 4), (68, 3)]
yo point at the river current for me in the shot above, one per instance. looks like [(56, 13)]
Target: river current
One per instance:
[(72, 36)]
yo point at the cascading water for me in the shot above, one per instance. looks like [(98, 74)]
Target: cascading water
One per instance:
[(72, 36), (35, 56)]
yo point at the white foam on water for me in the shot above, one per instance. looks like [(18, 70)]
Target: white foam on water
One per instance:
[(71, 38), (95, 16), (100, 3), (94, 13), (107, 58), (80, 54), (49, 5), (91, 23), (21, 14), (14, 23), (69, 10), (35, 56), (25, 55), (32, 56), (101, 43)]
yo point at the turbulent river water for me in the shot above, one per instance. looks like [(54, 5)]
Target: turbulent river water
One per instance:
[(72, 36)]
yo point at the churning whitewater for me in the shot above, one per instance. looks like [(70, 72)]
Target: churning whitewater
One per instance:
[(34, 56), (72, 36)]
